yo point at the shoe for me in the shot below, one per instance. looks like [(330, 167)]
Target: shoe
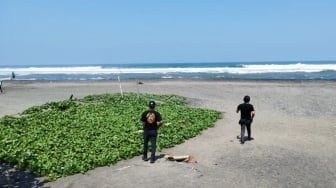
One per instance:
[(152, 161), (250, 138), (145, 158), (241, 141)]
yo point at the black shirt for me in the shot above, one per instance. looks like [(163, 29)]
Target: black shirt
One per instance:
[(245, 110), (148, 125)]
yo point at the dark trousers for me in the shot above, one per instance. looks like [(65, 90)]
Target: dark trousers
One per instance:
[(242, 132), (149, 135)]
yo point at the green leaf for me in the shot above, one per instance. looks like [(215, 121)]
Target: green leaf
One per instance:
[(73, 136)]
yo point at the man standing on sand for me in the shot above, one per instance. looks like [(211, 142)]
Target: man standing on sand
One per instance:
[(246, 117), (151, 122), (13, 76), (1, 86)]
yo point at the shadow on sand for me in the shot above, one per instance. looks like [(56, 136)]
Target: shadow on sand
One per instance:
[(245, 138), (12, 177)]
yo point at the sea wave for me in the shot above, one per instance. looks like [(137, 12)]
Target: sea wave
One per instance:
[(244, 69), (299, 67)]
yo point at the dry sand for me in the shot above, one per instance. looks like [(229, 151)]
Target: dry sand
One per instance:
[(294, 135)]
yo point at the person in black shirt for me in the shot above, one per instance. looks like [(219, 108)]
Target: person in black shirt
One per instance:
[(247, 113), (13, 76), (151, 122)]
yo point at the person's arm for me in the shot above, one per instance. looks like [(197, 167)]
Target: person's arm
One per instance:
[(159, 120), (252, 114), (238, 109), (159, 123)]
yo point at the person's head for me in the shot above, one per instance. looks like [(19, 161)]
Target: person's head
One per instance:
[(151, 104), (247, 99)]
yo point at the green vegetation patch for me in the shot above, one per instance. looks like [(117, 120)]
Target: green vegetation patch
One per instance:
[(73, 136)]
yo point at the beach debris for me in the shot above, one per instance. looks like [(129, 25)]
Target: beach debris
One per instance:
[(71, 96), (180, 158), (123, 168), (139, 131)]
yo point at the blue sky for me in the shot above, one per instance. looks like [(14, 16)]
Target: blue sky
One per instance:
[(106, 31)]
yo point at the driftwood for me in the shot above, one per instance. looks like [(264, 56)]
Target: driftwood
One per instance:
[(181, 158)]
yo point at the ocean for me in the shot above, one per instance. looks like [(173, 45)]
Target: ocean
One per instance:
[(310, 70)]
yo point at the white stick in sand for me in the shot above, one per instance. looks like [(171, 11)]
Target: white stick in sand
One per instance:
[(121, 91)]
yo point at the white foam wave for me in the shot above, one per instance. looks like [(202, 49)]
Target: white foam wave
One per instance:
[(245, 69), (299, 67)]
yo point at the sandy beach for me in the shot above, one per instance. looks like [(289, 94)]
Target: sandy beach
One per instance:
[(294, 135)]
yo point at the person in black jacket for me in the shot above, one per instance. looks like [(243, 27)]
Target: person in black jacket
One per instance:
[(151, 122), (247, 113)]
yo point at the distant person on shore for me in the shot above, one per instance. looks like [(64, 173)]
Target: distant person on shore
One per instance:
[(151, 122), (1, 86), (13, 76), (247, 113)]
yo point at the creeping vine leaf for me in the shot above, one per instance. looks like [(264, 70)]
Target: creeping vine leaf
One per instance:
[(73, 136)]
